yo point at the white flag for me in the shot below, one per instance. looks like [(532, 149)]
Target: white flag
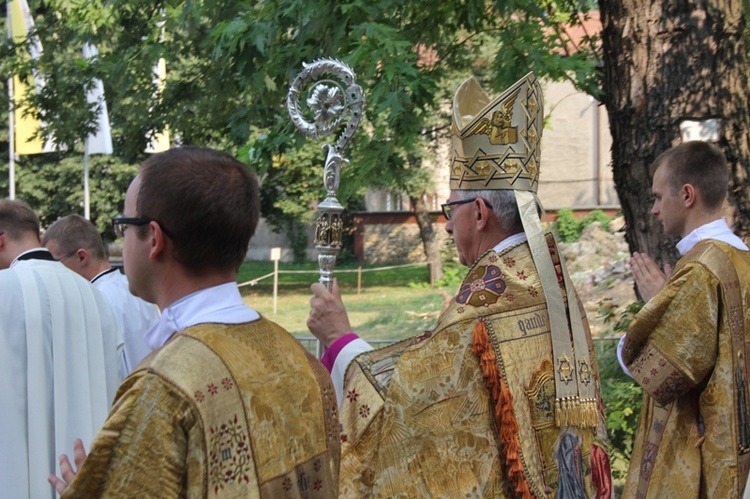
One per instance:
[(160, 141), (101, 141)]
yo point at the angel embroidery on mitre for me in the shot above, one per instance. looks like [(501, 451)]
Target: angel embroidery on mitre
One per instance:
[(498, 129)]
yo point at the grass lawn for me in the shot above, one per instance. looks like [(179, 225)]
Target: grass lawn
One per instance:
[(392, 304), (300, 276), (378, 313)]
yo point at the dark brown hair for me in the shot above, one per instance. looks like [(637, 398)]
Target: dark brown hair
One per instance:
[(699, 164), (205, 200), (17, 218)]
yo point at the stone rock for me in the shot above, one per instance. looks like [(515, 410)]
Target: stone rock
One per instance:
[(596, 249), (599, 269)]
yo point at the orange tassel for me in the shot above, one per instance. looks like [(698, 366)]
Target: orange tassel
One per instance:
[(504, 415)]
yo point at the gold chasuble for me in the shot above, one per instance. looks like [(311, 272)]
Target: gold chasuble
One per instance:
[(467, 409), (688, 349), (221, 411)]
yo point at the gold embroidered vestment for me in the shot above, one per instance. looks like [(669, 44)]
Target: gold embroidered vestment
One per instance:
[(221, 411), (693, 435), (418, 419)]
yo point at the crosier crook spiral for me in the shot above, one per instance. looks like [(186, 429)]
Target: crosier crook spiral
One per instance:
[(334, 99)]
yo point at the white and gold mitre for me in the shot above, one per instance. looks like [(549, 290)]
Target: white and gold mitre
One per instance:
[(496, 143)]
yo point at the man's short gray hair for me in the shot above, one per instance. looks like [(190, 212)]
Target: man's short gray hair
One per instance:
[(503, 202)]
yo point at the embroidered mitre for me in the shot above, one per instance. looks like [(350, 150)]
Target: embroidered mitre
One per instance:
[(496, 142)]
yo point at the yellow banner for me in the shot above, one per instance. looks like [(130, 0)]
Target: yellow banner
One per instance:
[(25, 126)]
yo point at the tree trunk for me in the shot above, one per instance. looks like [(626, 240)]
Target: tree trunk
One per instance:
[(427, 234), (666, 61)]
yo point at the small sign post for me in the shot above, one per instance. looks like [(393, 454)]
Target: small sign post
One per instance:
[(275, 256)]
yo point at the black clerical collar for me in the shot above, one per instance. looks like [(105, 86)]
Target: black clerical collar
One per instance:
[(102, 274), (37, 254)]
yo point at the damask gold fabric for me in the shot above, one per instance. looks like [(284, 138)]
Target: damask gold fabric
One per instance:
[(222, 411), (417, 417), (693, 436)]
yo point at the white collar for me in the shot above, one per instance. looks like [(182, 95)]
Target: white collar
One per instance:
[(16, 259), (718, 230), (222, 304), (513, 240), (101, 274)]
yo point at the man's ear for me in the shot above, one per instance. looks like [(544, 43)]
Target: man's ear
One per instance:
[(689, 195), (482, 213), (157, 240), (82, 255)]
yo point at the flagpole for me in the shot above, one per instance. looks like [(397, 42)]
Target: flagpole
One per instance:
[(99, 142), (11, 143), (86, 203), (11, 124)]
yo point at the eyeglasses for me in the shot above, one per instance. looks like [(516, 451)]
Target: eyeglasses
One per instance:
[(120, 225), (448, 207), (66, 256)]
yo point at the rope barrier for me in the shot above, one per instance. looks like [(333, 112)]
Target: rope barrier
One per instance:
[(255, 281), (344, 271), (389, 268)]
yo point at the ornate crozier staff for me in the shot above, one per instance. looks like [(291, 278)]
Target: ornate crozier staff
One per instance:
[(333, 102)]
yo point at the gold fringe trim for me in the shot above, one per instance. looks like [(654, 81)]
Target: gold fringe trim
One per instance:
[(576, 412), (590, 413), (504, 415)]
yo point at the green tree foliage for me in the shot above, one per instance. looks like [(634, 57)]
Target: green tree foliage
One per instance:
[(569, 228), (409, 57), (53, 183), (230, 63)]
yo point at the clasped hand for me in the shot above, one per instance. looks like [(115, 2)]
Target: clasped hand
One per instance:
[(648, 276)]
